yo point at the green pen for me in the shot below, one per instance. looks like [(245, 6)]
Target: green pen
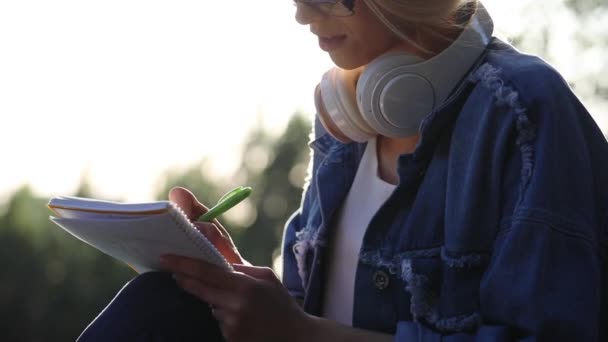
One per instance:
[(229, 200)]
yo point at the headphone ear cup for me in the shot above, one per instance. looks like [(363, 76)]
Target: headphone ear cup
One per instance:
[(392, 98), (338, 91), (397, 91)]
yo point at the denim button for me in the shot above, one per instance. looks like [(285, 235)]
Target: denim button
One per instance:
[(381, 279)]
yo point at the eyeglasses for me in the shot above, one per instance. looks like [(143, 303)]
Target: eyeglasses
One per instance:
[(336, 8)]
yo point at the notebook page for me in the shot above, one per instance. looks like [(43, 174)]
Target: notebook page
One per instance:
[(66, 206), (140, 241)]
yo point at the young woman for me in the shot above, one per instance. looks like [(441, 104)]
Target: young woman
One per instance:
[(458, 192)]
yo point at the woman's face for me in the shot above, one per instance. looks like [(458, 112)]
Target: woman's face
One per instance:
[(351, 41)]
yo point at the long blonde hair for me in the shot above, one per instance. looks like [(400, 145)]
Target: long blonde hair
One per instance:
[(409, 18)]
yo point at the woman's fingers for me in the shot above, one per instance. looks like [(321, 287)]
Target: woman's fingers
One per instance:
[(264, 273), (211, 232), (217, 298), (207, 273), (187, 202), (217, 234), (223, 243)]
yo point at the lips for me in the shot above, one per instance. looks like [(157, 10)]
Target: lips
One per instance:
[(328, 43)]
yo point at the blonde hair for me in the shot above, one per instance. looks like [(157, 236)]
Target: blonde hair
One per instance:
[(409, 18)]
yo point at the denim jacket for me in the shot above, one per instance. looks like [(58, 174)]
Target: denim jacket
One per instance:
[(498, 228)]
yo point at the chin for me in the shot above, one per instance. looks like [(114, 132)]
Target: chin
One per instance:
[(346, 64), (348, 61)]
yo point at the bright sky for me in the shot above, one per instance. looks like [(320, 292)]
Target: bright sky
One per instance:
[(127, 88)]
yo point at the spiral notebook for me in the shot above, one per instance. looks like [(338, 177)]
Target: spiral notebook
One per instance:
[(135, 233)]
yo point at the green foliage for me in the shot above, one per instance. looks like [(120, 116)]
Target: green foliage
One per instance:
[(277, 191), (52, 284)]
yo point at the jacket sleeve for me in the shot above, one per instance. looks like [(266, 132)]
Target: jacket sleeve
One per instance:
[(546, 278)]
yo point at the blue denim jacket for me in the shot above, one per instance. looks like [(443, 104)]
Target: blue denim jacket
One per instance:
[(498, 228)]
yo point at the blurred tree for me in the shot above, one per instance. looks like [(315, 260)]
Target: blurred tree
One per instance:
[(276, 169), (574, 37), (52, 284), (586, 7), (195, 177), (592, 38)]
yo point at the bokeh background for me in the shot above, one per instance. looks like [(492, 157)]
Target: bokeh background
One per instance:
[(123, 99)]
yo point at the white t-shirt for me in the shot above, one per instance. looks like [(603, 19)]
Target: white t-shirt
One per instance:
[(367, 193)]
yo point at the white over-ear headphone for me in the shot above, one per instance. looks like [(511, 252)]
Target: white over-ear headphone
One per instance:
[(396, 91)]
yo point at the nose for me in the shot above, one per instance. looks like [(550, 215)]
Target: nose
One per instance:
[(306, 14)]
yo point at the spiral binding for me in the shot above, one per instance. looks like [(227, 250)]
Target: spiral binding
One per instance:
[(212, 254)]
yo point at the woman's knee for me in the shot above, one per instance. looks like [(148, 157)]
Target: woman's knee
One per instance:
[(151, 304)]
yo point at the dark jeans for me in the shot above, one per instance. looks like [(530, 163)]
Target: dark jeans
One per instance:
[(152, 308)]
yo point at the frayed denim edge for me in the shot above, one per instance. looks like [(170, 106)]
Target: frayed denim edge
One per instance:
[(393, 265), (464, 261), (489, 77), (306, 240), (423, 302)]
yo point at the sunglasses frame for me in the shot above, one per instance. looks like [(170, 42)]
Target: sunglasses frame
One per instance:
[(328, 7)]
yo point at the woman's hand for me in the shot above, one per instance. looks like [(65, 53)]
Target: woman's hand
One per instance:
[(214, 231), (250, 303)]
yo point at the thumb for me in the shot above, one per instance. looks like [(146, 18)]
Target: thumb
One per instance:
[(186, 200)]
